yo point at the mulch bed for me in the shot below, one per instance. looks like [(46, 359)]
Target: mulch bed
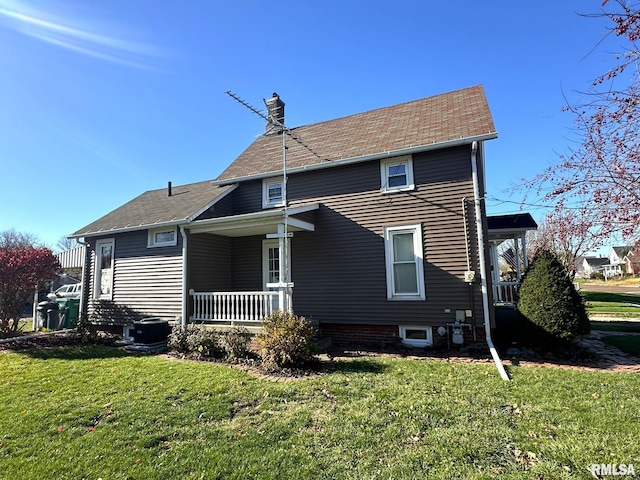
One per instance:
[(593, 354)]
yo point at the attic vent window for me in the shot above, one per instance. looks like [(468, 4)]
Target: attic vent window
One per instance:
[(396, 174)]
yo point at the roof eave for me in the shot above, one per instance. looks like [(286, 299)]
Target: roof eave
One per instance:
[(363, 158), (113, 231)]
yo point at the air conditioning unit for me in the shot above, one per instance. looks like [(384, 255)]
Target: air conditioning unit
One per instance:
[(150, 331)]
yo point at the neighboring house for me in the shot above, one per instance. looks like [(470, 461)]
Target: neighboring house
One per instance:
[(632, 261), (617, 254), (377, 232), (589, 265)]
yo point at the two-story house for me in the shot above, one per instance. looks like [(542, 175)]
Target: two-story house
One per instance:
[(372, 225)]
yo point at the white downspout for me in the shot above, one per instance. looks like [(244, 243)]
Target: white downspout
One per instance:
[(84, 292), (185, 293), (483, 267)]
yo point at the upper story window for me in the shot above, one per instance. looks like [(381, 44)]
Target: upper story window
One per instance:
[(396, 174), (162, 237), (272, 192)]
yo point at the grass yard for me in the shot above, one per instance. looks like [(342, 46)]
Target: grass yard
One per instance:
[(618, 304), (96, 412)]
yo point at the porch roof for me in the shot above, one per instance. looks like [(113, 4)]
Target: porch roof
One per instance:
[(256, 223), (503, 227)]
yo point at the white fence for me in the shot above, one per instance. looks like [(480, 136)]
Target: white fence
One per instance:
[(232, 307), (73, 258), (505, 292)]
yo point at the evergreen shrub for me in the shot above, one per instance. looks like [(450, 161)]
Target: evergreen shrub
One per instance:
[(549, 305)]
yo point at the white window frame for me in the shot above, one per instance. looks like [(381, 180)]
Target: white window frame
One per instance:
[(427, 342), (416, 231), (266, 201), (151, 238), (97, 279), (385, 165)]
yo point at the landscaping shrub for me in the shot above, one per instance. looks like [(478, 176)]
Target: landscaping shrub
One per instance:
[(596, 276), (203, 342), (195, 340), (235, 343), (549, 304), (178, 339), (286, 340)]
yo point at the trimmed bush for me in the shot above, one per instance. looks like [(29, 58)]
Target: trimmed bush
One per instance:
[(235, 343), (286, 340), (178, 339), (549, 302), (196, 340)]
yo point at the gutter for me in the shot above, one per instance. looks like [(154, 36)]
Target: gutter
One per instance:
[(114, 231), (364, 158), (483, 266)]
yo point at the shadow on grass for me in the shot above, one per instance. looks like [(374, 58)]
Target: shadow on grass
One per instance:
[(360, 365), (76, 352)]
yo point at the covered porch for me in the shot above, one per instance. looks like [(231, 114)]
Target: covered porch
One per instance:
[(508, 254), (238, 268)]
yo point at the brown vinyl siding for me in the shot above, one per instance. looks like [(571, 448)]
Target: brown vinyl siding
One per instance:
[(247, 197), (339, 270), (147, 282), (209, 263)]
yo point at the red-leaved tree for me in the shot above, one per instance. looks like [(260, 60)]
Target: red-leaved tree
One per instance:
[(569, 234), (22, 268), (601, 174)]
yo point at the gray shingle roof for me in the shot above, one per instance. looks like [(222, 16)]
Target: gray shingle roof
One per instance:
[(462, 114), (156, 208)]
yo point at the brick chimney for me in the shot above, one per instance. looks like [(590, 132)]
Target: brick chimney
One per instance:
[(275, 112)]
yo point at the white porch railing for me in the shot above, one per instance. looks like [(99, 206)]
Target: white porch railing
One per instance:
[(505, 292), (233, 307)]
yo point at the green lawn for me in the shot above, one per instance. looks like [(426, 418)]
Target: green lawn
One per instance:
[(619, 304), (96, 412)]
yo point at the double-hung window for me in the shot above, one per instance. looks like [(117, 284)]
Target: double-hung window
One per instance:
[(272, 195), (396, 174), (404, 259)]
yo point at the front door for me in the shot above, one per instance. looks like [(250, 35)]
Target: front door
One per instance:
[(270, 268)]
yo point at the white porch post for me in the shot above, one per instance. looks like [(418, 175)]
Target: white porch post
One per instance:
[(524, 252), (281, 271), (517, 254)]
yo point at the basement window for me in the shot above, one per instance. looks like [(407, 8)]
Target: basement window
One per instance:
[(417, 336)]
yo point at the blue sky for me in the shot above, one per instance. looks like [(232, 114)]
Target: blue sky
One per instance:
[(103, 100)]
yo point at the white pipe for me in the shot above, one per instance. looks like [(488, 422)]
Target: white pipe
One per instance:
[(483, 267), (185, 293)]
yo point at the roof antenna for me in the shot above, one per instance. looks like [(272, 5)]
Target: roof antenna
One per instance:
[(284, 281)]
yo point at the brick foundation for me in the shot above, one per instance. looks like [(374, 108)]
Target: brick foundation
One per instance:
[(353, 335)]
